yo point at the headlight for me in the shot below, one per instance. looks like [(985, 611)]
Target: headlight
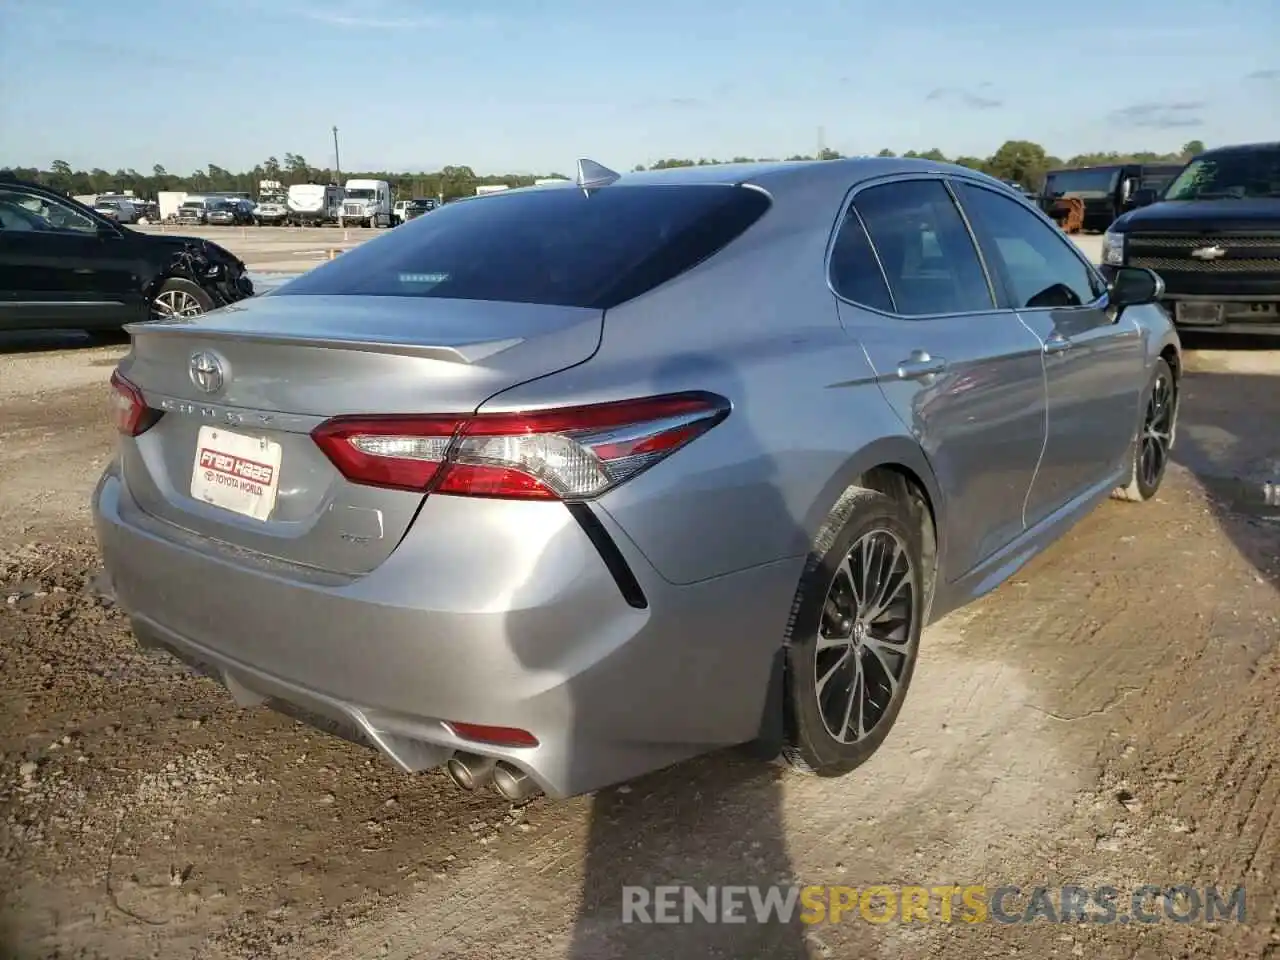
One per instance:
[(1113, 249)]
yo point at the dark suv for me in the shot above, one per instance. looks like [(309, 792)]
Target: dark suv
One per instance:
[(1214, 237)]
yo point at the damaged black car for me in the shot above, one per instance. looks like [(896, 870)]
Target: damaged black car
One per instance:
[(63, 265)]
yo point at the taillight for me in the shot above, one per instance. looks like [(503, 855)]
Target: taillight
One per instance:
[(131, 414), (569, 453)]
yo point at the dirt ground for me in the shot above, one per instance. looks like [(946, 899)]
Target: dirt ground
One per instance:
[(1108, 717)]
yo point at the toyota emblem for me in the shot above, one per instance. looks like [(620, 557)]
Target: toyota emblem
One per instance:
[(206, 372)]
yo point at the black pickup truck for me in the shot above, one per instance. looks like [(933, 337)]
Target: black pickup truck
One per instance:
[(1214, 238)]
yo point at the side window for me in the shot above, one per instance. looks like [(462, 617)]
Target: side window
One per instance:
[(855, 274), (925, 249), (22, 210), (1038, 264)]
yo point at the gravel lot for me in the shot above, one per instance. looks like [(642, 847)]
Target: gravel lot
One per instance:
[(1107, 717)]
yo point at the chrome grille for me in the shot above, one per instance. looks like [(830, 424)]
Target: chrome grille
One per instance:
[(352, 210), (1189, 242), (1188, 265)]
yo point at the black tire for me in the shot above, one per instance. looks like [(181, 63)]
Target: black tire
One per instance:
[(1159, 419), (809, 744), (180, 286)]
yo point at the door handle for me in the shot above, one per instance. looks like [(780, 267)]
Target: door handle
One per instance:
[(920, 365), (1057, 343)]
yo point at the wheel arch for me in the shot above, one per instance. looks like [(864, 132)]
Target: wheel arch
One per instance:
[(1171, 355), (896, 467)]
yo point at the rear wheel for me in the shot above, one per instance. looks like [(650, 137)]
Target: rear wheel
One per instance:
[(854, 634), (180, 298), (1154, 442)]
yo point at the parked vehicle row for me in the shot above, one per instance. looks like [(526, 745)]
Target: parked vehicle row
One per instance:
[(363, 203)]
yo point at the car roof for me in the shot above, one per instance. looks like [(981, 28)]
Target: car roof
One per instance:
[(783, 175), (1096, 166), (14, 181), (1242, 148)]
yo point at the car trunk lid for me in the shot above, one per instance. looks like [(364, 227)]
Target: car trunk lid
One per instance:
[(248, 383)]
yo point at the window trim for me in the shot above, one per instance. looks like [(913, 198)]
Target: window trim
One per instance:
[(997, 294), (1100, 302), (875, 254)]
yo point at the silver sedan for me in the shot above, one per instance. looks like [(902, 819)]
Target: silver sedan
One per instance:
[(561, 485)]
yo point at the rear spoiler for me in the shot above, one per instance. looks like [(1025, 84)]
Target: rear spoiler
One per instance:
[(453, 353)]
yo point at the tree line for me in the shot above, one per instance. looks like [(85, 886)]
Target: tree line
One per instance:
[(1017, 160)]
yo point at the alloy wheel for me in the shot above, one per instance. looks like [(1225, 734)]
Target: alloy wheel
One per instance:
[(865, 636), (175, 303), (1157, 431)]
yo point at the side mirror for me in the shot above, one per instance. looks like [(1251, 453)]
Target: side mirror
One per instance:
[(107, 231), (1144, 197), (1134, 286)]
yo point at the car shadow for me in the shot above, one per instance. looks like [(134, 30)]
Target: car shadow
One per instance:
[(43, 341), (682, 825), (1229, 440)]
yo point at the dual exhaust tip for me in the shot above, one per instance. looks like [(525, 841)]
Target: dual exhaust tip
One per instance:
[(472, 771)]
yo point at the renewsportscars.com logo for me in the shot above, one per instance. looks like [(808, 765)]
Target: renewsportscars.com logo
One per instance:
[(945, 903)]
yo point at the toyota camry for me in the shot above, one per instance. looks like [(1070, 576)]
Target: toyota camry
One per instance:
[(565, 484)]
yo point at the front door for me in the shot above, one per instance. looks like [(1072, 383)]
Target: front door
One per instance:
[(962, 372), (1092, 356)]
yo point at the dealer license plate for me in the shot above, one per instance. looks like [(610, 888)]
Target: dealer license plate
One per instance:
[(1197, 313), (236, 472)]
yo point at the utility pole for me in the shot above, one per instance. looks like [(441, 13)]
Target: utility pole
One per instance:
[(337, 160)]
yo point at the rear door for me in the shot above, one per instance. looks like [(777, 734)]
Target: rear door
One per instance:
[(61, 267), (1094, 358), (961, 370)]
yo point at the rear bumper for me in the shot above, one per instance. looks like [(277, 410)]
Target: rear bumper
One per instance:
[(526, 627)]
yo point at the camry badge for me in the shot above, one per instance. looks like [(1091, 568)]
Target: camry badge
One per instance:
[(206, 372), (1209, 253)]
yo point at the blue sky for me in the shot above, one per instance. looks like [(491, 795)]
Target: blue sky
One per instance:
[(506, 86)]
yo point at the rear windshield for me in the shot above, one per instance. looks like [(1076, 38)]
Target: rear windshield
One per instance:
[(559, 246), (1102, 180)]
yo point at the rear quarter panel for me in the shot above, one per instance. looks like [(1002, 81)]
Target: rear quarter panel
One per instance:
[(758, 325)]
